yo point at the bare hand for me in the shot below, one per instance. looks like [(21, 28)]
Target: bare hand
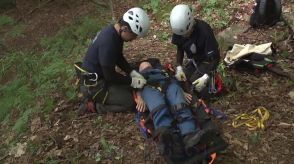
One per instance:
[(188, 97), (141, 106)]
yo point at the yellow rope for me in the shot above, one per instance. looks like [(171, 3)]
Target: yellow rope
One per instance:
[(79, 68), (253, 120)]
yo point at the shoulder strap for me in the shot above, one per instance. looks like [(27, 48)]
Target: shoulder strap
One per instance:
[(262, 7)]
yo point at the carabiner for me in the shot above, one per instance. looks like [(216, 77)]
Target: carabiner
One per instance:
[(96, 77)]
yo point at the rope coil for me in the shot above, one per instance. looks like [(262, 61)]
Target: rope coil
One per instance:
[(252, 120)]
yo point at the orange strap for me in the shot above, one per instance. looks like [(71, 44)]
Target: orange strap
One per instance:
[(213, 157)]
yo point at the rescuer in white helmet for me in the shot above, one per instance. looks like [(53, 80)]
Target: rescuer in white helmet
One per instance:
[(194, 39)]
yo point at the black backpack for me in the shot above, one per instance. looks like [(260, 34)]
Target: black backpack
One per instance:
[(253, 63), (266, 13)]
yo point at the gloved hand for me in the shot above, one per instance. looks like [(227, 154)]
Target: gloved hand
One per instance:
[(180, 75), (201, 82), (134, 73), (138, 82)]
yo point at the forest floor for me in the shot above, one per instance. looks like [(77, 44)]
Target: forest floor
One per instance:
[(115, 138)]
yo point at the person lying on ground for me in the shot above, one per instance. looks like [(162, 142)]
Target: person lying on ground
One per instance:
[(167, 102)]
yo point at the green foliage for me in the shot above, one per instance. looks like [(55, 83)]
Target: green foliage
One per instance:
[(48, 105), (6, 20), (155, 5), (278, 36), (254, 138), (20, 125), (214, 12), (7, 63), (152, 5), (71, 93), (164, 36), (285, 54), (108, 151), (33, 79), (15, 95), (98, 122), (227, 80), (32, 147), (16, 31), (52, 161)]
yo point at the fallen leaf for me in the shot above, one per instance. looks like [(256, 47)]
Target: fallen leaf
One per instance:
[(32, 138), (291, 95), (141, 147), (67, 137), (58, 153), (18, 150), (36, 124)]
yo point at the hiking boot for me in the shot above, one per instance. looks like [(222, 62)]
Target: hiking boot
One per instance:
[(203, 136), (192, 139), (164, 143)]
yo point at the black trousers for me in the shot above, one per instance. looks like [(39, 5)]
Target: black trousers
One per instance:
[(113, 98)]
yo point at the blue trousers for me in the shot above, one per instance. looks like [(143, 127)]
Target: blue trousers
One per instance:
[(158, 104)]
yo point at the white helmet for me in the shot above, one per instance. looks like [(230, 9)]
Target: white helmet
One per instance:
[(138, 20), (181, 19)]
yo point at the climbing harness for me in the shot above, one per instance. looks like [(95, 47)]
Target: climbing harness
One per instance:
[(253, 120), (87, 78), (92, 90)]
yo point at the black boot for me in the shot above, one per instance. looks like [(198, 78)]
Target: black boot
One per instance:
[(165, 140), (201, 137), (192, 139)]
